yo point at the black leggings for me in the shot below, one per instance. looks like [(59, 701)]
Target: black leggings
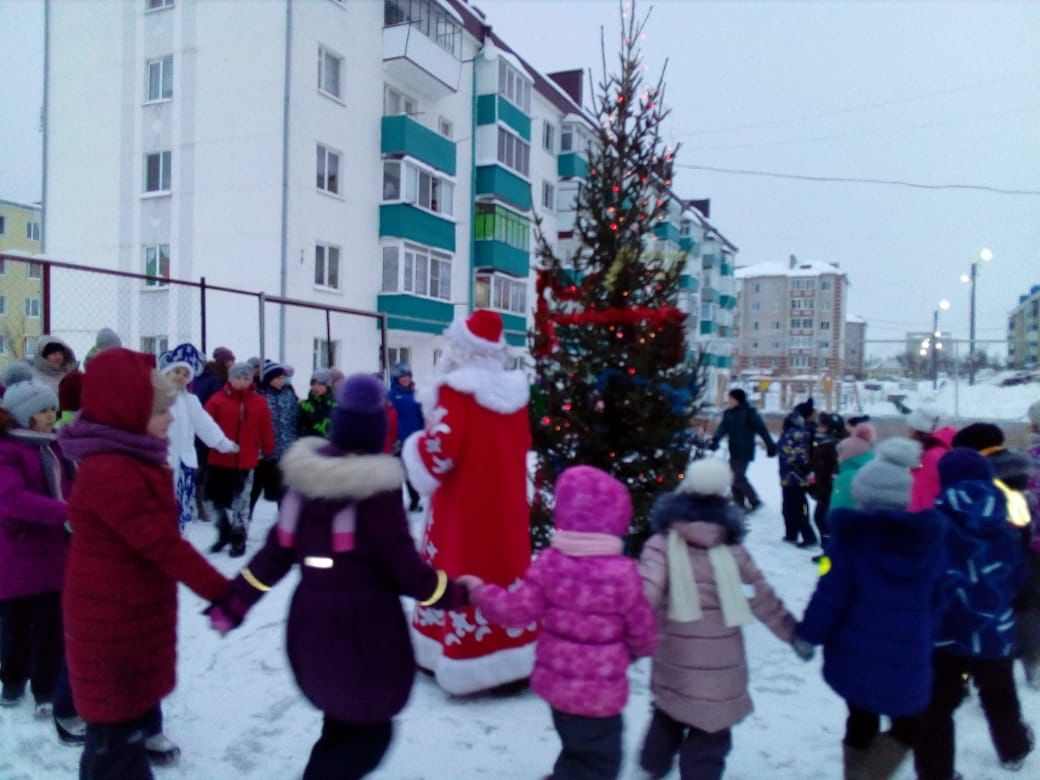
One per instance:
[(31, 643), (862, 726), (347, 751)]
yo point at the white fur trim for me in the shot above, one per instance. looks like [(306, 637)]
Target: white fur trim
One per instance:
[(459, 333), (461, 677), (351, 476), (495, 389), (900, 451), (707, 477), (420, 476), (179, 364), (925, 418)]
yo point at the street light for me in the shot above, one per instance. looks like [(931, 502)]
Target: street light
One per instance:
[(984, 256), (933, 343)]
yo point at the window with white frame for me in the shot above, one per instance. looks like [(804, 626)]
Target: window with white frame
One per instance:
[(29, 344), (800, 361), (155, 345), (497, 223), (405, 181), (826, 284), (32, 231), (396, 355), (754, 325), (396, 102), (326, 266), (802, 304), (497, 291), (514, 152), (159, 82), (417, 270), (801, 342), (514, 87), (445, 127), (327, 178), (325, 354), (756, 306), (330, 71), (548, 196), (155, 5), (157, 265), (825, 343), (158, 171), (549, 137), (34, 270), (32, 307), (825, 324)]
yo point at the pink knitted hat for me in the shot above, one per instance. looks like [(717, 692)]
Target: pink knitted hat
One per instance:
[(859, 443)]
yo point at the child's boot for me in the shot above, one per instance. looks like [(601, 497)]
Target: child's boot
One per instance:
[(161, 750), (223, 532), (884, 756), (238, 543), (853, 759)]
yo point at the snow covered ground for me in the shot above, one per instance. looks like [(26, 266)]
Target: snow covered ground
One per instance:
[(237, 714)]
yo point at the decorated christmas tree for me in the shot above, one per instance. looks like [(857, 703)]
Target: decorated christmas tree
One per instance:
[(615, 387)]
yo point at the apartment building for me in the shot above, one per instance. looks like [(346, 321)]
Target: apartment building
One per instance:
[(20, 283), (791, 319), (855, 346), (386, 156), (1024, 331)]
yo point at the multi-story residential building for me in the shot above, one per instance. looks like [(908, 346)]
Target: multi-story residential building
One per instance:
[(1024, 331), (855, 346), (792, 319), (20, 283), (382, 156)]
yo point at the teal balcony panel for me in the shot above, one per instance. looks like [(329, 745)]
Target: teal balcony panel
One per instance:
[(516, 329), (500, 256), (513, 117), (728, 301), (415, 313), (403, 135), (707, 327), (725, 269), (572, 166), (667, 231), (400, 220), (496, 180), (486, 109), (689, 283)]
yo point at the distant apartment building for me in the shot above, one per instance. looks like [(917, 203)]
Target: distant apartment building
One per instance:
[(20, 283), (1024, 331), (791, 320), (855, 346)]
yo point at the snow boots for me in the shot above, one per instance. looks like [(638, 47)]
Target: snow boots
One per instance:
[(71, 731), (878, 762), (223, 532), (161, 750)]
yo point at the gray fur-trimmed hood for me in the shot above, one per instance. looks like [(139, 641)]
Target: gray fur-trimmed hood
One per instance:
[(313, 468)]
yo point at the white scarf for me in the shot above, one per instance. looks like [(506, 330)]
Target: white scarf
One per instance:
[(684, 603)]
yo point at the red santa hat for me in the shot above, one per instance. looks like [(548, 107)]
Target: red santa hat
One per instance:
[(478, 336)]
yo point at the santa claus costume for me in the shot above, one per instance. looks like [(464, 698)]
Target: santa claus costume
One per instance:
[(472, 460)]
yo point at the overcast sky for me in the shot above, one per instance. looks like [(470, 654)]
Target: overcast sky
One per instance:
[(936, 93)]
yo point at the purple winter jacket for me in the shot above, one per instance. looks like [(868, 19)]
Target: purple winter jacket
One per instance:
[(32, 521), (595, 618)]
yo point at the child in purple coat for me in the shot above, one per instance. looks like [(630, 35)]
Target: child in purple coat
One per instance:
[(342, 520), (595, 620)]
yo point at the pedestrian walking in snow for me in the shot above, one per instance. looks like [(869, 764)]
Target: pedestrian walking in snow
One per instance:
[(824, 466), (741, 423), (976, 635), (926, 427), (874, 611), (245, 418), (695, 571), (181, 365), (409, 418), (342, 521), (282, 401), (315, 410), (595, 620), (795, 447), (126, 558)]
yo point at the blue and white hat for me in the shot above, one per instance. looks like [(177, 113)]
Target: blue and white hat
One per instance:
[(182, 356)]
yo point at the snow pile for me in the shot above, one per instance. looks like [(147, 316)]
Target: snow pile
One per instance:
[(237, 714)]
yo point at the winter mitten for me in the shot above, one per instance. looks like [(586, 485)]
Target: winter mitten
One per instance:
[(470, 582), (226, 615), (803, 649), (713, 446), (771, 451), (227, 447)]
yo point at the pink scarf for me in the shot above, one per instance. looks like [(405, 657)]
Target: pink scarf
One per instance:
[(343, 523), (580, 544)]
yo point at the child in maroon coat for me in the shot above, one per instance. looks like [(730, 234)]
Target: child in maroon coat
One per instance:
[(125, 560), (343, 522)]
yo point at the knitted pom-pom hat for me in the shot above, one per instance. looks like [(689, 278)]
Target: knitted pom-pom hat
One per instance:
[(589, 500), (885, 482), (707, 477), (358, 421)]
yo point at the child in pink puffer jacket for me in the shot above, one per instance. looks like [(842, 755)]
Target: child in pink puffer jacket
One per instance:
[(595, 620)]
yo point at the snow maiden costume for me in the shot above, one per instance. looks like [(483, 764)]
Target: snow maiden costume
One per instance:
[(472, 460), (189, 420)]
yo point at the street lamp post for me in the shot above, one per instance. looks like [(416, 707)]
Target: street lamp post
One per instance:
[(984, 256), (934, 344)]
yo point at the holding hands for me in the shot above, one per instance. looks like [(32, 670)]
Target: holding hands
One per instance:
[(470, 582), (803, 649)]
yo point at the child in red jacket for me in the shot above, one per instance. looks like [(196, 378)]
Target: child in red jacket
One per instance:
[(245, 418)]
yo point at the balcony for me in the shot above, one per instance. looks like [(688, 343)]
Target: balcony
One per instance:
[(496, 180), (419, 61), (710, 261), (500, 256), (572, 166), (402, 135), (401, 220), (415, 313), (667, 231), (495, 108), (688, 244), (688, 283)]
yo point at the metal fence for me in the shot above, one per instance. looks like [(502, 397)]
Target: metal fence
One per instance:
[(154, 313)]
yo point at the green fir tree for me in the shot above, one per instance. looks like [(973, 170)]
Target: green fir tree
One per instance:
[(615, 387)]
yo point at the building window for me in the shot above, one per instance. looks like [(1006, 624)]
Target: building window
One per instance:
[(32, 231), (155, 345), (548, 196), (158, 170), (420, 187), (776, 325), (3, 267), (495, 223), (32, 307), (758, 287), (157, 265), (825, 325), (514, 87), (800, 361), (3, 345), (825, 284), (417, 270), (496, 291), (549, 137), (754, 325), (29, 345), (802, 304), (429, 19), (514, 152), (155, 5), (445, 127), (825, 344), (804, 284), (396, 102), (3, 304), (326, 266), (328, 170), (330, 67), (34, 271), (160, 79), (396, 355), (3, 225), (756, 306), (325, 353)]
